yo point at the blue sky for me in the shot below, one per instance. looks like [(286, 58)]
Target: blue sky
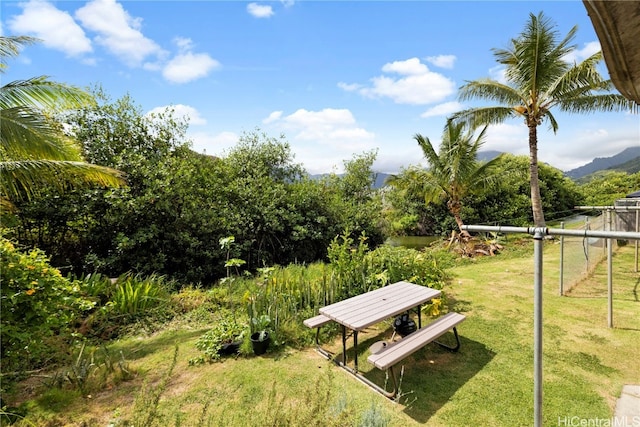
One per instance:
[(337, 78)]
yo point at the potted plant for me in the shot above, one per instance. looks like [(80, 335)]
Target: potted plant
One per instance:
[(223, 338), (260, 333)]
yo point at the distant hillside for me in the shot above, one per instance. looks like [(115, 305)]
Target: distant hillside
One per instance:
[(626, 158), (380, 179), (626, 161), (485, 156), (632, 166)]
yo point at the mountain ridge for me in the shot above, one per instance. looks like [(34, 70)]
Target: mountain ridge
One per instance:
[(628, 160), (627, 156)]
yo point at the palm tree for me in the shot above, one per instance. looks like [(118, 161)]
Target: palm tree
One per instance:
[(454, 170), (34, 150), (539, 79)]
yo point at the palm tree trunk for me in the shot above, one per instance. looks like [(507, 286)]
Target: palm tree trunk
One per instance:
[(536, 200), (455, 207)]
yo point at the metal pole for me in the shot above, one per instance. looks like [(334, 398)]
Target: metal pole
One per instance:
[(637, 229), (562, 261), (537, 327), (610, 282), (555, 231), (586, 249), (609, 276)]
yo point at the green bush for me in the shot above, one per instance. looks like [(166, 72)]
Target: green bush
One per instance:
[(388, 264), (38, 307), (225, 330)]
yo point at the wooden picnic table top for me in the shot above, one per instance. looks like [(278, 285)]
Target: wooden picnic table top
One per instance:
[(361, 311)]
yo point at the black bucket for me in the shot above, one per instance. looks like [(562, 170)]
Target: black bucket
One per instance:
[(404, 325)]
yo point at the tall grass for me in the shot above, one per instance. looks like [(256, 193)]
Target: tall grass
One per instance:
[(290, 294), (135, 294)]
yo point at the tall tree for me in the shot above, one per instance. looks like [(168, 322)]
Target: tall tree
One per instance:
[(540, 79), (454, 170), (34, 150)]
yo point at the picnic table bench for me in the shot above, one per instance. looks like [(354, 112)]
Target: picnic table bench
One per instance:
[(394, 352)]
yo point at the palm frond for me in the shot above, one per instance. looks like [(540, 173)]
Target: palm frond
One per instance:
[(539, 56), (581, 79), (40, 92), (603, 102), (10, 47), (25, 133), (476, 117), (491, 90), (428, 151), (18, 179), (553, 124)]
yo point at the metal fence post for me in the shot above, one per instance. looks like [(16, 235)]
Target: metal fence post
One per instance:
[(587, 226), (562, 261), (537, 325), (637, 230)]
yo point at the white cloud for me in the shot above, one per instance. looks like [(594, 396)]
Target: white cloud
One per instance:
[(323, 139), (183, 43), (56, 28), (272, 117), (117, 31), (497, 73), (326, 124), (181, 111), (571, 149), (409, 67), (349, 87), (417, 85), (189, 66), (508, 138), (442, 61), (587, 50), (259, 11), (216, 145), (444, 109)]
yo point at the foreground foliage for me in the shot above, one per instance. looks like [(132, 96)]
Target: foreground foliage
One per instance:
[(487, 383), (38, 308)]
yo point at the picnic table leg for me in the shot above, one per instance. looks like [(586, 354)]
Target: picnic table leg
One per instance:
[(451, 348), (344, 345), (355, 350), (420, 316)]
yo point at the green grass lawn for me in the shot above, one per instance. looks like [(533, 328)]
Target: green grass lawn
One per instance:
[(489, 382)]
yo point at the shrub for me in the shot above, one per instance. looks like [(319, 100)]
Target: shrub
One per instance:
[(225, 330), (38, 306)]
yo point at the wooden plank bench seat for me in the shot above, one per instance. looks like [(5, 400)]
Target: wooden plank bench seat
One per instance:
[(316, 321), (395, 352)]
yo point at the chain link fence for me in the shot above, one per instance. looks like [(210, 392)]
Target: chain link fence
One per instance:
[(580, 256)]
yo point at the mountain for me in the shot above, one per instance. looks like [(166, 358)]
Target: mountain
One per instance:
[(627, 161), (629, 156), (485, 156), (632, 166)]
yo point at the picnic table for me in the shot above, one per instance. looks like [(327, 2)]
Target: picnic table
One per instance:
[(361, 311)]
